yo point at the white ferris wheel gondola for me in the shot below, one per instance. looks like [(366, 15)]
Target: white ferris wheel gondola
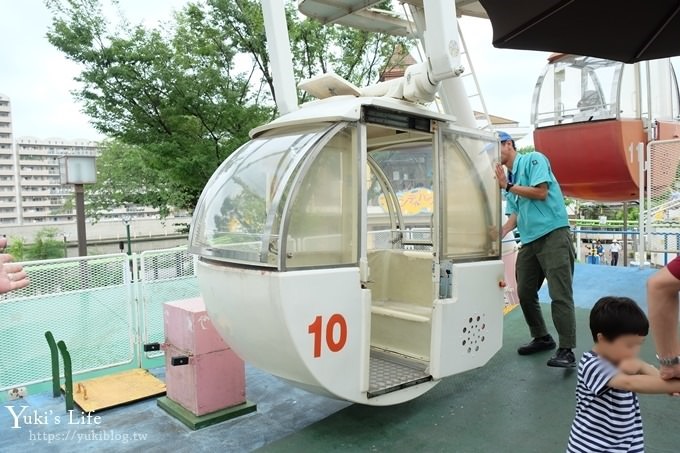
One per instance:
[(313, 268)]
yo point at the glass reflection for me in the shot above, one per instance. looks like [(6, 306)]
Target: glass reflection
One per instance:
[(231, 217)]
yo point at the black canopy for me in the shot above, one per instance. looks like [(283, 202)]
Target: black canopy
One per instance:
[(621, 30)]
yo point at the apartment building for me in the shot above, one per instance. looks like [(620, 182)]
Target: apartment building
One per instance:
[(43, 198), (30, 187), (8, 185)]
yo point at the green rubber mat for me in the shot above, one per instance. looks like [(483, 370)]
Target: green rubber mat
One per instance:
[(514, 404)]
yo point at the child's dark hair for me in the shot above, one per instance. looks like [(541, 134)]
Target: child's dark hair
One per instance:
[(615, 316)]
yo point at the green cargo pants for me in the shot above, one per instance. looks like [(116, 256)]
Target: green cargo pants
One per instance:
[(549, 257)]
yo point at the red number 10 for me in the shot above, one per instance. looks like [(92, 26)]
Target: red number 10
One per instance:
[(316, 328)]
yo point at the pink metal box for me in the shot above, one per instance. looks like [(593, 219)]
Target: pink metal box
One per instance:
[(214, 378), (210, 382), (188, 327)]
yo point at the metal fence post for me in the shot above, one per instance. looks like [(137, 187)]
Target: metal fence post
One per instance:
[(625, 236), (135, 306), (641, 213)]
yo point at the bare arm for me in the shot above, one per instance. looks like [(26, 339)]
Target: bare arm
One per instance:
[(649, 370), (540, 192), (637, 366), (662, 297), (642, 383), (510, 225)]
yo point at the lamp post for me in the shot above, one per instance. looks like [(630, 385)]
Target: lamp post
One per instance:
[(79, 170), (126, 220)]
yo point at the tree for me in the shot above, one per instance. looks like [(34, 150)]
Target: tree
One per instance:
[(633, 213), (174, 98), (124, 178), (593, 211), (16, 247), (45, 246)]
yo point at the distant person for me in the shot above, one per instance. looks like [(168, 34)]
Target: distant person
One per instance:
[(608, 417), (599, 248), (535, 206), (662, 297), (12, 275), (614, 252)]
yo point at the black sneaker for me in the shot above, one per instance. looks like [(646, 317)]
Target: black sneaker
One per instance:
[(563, 358), (537, 345)]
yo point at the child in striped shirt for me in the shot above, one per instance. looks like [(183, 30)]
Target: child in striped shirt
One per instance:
[(607, 409)]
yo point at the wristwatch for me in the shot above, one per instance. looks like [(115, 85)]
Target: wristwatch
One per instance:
[(668, 361), (509, 186)]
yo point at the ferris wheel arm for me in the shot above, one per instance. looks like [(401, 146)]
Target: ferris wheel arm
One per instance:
[(436, 21), (280, 55), (451, 90), (436, 26), (442, 40)]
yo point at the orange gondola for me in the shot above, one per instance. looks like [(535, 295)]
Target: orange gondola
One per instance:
[(589, 115)]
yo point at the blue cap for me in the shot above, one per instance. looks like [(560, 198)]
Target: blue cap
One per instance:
[(504, 136)]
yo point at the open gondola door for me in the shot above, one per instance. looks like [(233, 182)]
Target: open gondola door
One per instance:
[(467, 320)]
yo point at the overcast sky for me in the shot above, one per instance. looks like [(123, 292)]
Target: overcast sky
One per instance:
[(39, 79)]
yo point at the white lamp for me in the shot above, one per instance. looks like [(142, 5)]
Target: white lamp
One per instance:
[(79, 170)]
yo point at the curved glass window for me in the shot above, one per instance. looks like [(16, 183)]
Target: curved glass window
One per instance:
[(635, 97), (322, 220), (632, 100), (231, 219), (470, 198), (576, 89)]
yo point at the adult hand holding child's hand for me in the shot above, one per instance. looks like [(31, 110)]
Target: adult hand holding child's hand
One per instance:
[(670, 372)]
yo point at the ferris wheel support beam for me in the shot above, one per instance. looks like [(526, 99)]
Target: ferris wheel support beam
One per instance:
[(438, 30), (441, 32), (436, 26), (278, 47), (451, 88)]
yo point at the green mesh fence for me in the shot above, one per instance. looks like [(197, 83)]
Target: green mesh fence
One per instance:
[(96, 307), (165, 275), (85, 302)]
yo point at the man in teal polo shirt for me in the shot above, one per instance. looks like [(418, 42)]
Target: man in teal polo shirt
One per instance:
[(535, 205)]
